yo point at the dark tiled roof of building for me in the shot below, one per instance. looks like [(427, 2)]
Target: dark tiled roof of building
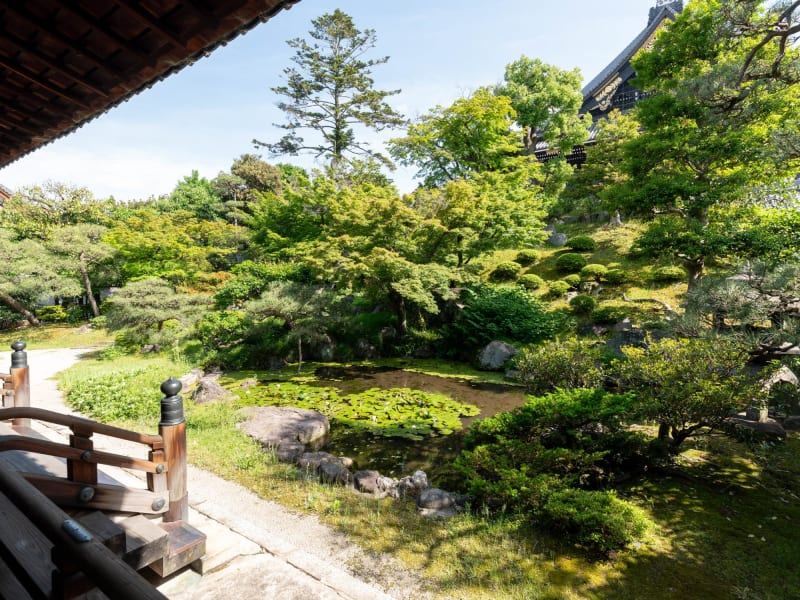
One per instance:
[(63, 62)]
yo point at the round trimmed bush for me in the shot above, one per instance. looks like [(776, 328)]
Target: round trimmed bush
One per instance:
[(571, 262), (530, 281), (52, 314), (608, 314), (616, 276), (594, 271), (526, 257), (582, 243), (505, 271), (557, 288), (582, 304), (574, 280), (669, 274)]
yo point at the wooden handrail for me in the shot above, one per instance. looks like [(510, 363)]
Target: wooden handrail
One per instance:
[(155, 441), (109, 572), (28, 444)]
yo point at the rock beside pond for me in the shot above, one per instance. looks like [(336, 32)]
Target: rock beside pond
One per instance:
[(413, 485), (434, 502), (372, 482), (285, 429), (329, 468), (208, 390), (495, 355)]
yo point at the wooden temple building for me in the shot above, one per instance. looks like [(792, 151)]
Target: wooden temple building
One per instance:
[(67, 527), (612, 88)]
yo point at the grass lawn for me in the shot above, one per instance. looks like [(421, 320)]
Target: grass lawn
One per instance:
[(56, 336)]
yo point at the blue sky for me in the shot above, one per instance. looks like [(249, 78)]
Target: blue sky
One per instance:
[(205, 116)]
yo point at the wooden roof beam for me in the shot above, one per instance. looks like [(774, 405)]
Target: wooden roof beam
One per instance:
[(101, 27), (38, 81), (54, 65), (61, 38), (150, 20)]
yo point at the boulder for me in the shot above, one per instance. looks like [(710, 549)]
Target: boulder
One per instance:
[(413, 485), (248, 383), (366, 481), (329, 468), (792, 423), (557, 239), (208, 390), (282, 427), (768, 430), (495, 355), (434, 502), (191, 378)]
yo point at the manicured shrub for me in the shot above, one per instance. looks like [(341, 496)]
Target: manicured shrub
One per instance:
[(559, 364), (556, 289), (597, 520), (570, 262), (52, 314), (530, 281), (616, 276), (582, 304), (608, 314), (581, 243), (526, 257), (574, 280), (594, 272), (502, 313), (669, 274), (505, 271)]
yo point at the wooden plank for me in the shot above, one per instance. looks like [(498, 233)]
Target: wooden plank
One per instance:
[(80, 470), (26, 550), (186, 545), (145, 542), (111, 534), (10, 587), (109, 572), (175, 451), (105, 497)]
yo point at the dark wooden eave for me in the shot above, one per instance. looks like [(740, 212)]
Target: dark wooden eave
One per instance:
[(65, 62)]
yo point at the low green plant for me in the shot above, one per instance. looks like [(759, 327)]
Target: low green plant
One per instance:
[(616, 276), (530, 281), (594, 272), (527, 257), (582, 243), (607, 314), (668, 274), (565, 364), (570, 262), (505, 271), (556, 289), (52, 314), (582, 304), (573, 279)]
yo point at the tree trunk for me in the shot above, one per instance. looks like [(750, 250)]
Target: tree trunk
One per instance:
[(17, 307), (299, 353), (694, 267), (616, 220), (663, 431), (87, 285), (399, 305)]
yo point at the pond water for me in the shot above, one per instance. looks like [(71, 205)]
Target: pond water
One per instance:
[(397, 457)]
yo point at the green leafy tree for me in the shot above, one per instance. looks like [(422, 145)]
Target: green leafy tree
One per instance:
[(82, 248), (196, 195), (686, 385), (721, 124), (306, 311), (472, 135), (34, 212), (30, 272), (330, 90), (143, 308), (546, 100)]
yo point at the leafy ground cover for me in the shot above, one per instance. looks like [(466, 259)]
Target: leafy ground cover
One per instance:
[(724, 519), (56, 336)]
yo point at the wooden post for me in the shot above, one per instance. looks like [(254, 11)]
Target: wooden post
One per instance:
[(81, 470), (173, 429), (20, 380)]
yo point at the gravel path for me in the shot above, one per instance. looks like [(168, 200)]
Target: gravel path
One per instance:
[(315, 553)]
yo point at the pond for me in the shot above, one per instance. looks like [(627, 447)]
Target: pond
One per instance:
[(397, 457)]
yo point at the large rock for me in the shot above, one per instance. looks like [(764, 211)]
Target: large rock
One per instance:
[(372, 482), (208, 390), (495, 355), (557, 239), (768, 430), (191, 378), (329, 468), (434, 502), (412, 486), (285, 429)]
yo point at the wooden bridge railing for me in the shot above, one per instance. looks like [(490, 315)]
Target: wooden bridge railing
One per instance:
[(165, 466)]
